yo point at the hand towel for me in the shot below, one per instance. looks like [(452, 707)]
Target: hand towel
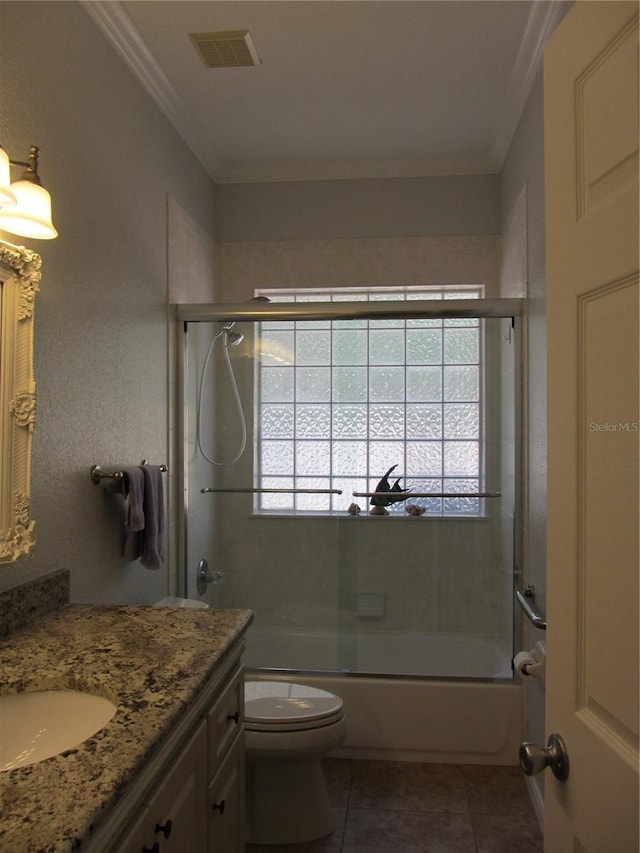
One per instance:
[(132, 486), (152, 551)]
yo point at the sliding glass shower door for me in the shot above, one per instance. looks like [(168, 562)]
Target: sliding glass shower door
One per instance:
[(351, 477)]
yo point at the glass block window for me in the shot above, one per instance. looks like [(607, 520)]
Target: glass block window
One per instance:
[(340, 402)]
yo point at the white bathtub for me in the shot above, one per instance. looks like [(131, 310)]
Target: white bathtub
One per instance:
[(404, 718)]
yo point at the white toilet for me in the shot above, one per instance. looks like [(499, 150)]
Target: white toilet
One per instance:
[(288, 727)]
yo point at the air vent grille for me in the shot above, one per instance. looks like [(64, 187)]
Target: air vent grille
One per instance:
[(231, 49)]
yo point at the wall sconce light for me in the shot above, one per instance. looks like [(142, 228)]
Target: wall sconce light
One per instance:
[(25, 205)]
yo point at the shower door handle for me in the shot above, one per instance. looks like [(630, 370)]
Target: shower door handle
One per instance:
[(534, 758)]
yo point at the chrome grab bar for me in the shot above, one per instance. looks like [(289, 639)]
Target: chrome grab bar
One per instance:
[(407, 495), (526, 600), (241, 491)]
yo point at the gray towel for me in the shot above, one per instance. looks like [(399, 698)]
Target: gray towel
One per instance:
[(151, 551), (132, 486)]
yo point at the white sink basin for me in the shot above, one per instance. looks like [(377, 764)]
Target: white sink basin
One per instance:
[(35, 726)]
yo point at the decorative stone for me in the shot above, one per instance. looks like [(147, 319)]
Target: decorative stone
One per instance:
[(412, 509), (378, 510)]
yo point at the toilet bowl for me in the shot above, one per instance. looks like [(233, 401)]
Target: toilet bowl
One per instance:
[(288, 728)]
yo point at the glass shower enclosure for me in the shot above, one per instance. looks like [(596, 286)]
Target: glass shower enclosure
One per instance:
[(351, 475)]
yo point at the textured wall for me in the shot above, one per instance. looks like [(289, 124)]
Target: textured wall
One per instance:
[(110, 159), (366, 262), (387, 207)]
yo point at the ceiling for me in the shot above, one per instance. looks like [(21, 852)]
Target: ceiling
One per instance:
[(345, 88)]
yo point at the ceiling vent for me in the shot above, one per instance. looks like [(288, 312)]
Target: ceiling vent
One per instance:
[(231, 49)]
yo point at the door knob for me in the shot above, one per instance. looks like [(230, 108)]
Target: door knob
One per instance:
[(534, 758)]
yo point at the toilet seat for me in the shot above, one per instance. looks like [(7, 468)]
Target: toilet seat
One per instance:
[(272, 706)]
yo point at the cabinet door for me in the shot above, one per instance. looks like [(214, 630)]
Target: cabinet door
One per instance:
[(134, 838), (225, 721), (177, 817), (226, 803)]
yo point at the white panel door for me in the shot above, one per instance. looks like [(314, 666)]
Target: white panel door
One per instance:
[(591, 185)]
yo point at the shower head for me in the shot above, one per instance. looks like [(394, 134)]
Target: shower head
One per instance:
[(232, 339)]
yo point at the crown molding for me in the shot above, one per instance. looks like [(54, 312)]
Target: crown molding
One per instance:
[(543, 20)]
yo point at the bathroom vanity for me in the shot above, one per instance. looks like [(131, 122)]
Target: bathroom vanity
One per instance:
[(167, 772)]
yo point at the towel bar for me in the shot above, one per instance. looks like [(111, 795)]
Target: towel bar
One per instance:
[(97, 474), (408, 495), (241, 491), (526, 599)]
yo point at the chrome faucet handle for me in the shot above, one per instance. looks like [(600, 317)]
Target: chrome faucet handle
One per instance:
[(205, 576)]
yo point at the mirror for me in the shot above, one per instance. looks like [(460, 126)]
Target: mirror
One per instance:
[(19, 283)]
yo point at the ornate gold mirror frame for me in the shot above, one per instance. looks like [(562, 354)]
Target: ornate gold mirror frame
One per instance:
[(19, 283)]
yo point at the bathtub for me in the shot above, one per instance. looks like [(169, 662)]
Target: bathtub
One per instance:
[(468, 710)]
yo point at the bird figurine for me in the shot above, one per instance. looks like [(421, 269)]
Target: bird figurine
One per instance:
[(394, 493)]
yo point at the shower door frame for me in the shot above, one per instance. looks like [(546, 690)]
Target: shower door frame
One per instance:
[(383, 310), (256, 311)]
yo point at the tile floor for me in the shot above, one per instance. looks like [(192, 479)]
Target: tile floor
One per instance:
[(404, 807)]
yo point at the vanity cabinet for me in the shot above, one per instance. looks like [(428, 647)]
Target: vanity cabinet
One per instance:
[(195, 800), (174, 749)]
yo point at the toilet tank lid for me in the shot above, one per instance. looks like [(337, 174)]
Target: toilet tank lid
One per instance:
[(189, 603), (279, 701)]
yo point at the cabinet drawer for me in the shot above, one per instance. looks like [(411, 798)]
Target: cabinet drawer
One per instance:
[(225, 720)]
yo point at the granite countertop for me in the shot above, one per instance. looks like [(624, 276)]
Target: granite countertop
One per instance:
[(151, 662)]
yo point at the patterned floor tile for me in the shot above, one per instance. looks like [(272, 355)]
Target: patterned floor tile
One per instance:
[(330, 844), (407, 807), (377, 831), (495, 789), (507, 833), (407, 786)]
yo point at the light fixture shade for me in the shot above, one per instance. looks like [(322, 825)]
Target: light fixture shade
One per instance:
[(6, 195), (31, 217)]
